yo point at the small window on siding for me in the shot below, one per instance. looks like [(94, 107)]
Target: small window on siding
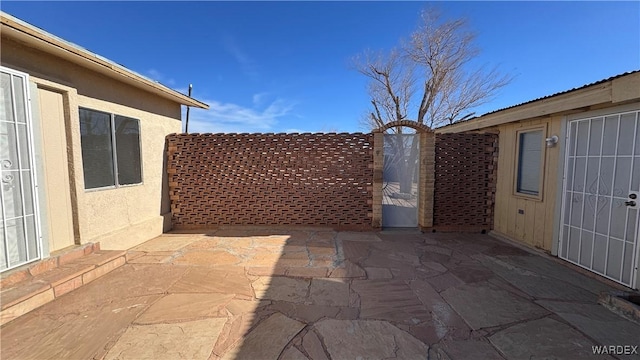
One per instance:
[(110, 149), (530, 147)]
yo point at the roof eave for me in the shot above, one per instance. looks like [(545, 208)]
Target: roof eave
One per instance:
[(618, 90)]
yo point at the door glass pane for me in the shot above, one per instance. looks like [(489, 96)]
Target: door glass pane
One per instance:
[(578, 175), (602, 216), (576, 210), (27, 191), (635, 182), (618, 217), (8, 147), (589, 212), (621, 182), (570, 169), (11, 197), (596, 136), (627, 131), (583, 137), (6, 102), (627, 267), (572, 138), (32, 237), (606, 176), (593, 178), (16, 241), (585, 248), (614, 259), (565, 241), (3, 258), (637, 151), (599, 253), (574, 244), (610, 135), (97, 153), (128, 150), (632, 218), (23, 145), (568, 197), (18, 91)]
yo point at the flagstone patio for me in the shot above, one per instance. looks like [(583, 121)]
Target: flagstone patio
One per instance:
[(319, 294)]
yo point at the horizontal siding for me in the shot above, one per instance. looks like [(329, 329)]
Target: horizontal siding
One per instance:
[(535, 226)]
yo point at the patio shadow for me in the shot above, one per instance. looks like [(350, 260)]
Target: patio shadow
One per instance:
[(309, 293)]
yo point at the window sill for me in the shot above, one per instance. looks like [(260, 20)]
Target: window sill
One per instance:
[(112, 187), (527, 196)]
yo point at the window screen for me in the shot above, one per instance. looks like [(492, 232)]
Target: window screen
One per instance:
[(529, 162), (97, 151), (105, 137), (128, 150)]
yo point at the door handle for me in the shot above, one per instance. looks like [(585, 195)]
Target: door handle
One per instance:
[(630, 203)]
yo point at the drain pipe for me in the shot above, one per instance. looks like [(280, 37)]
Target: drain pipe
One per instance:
[(186, 127)]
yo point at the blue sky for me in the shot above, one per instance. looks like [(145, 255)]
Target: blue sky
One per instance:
[(284, 66)]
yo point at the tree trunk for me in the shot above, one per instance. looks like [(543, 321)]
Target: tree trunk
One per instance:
[(407, 164), (406, 178)]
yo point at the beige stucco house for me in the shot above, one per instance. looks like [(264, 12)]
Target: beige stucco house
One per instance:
[(569, 175), (81, 148)]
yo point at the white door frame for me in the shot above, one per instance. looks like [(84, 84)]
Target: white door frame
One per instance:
[(34, 175), (634, 280)]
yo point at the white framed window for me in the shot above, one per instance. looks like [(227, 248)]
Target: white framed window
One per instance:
[(111, 154), (529, 174)]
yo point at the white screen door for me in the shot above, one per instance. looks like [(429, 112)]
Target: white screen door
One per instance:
[(400, 180), (601, 196), (19, 233)]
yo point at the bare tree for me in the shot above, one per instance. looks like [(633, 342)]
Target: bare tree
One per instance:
[(427, 76), (431, 63)]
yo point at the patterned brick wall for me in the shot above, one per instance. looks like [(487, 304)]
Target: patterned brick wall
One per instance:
[(465, 181), (270, 179)]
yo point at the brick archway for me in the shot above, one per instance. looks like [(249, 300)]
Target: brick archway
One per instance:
[(418, 127), (426, 172)]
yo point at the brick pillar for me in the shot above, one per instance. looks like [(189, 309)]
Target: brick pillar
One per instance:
[(378, 165), (427, 180)]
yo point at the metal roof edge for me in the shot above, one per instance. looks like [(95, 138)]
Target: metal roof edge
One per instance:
[(538, 100)]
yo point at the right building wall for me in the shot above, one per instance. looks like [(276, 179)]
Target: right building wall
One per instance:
[(526, 219), (603, 234)]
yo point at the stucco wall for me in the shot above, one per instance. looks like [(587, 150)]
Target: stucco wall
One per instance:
[(122, 217), (105, 214)]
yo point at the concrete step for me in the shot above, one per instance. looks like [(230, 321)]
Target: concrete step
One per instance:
[(29, 287)]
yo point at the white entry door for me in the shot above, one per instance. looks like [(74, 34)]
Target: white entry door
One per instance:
[(19, 233), (602, 196)]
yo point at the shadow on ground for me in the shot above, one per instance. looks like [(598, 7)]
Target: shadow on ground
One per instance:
[(318, 294)]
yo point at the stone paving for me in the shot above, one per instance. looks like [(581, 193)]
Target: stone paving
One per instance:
[(318, 294)]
